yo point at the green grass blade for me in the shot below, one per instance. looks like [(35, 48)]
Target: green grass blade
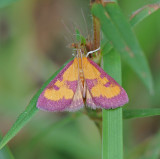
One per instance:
[(143, 13), (23, 118), (135, 19), (131, 42), (106, 48), (20, 122), (5, 153), (112, 119), (140, 113), (118, 31)]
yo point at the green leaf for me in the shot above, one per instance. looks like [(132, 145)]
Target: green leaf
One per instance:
[(142, 13), (135, 19), (112, 119), (20, 122), (106, 48), (5, 153), (30, 110), (140, 113), (118, 31), (4, 3)]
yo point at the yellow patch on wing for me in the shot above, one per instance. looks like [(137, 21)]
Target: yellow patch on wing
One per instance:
[(59, 83), (108, 92), (71, 74), (91, 73), (56, 95), (63, 91)]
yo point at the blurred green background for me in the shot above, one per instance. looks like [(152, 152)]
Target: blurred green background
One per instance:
[(33, 45)]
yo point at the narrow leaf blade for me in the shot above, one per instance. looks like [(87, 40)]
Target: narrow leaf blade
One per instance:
[(24, 117), (112, 119), (118, 31), (143, 13), (135, 19), (5, 153), (140, 113)]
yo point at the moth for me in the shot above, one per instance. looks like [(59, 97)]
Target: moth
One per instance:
[(82, 83)]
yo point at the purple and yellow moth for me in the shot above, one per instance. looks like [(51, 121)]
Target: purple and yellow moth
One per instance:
[(82, 82)]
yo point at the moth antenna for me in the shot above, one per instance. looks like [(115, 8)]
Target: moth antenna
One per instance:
[(85, 22), (91, 52), (67, 30), (66, 38), (73, 24), (75, 34)]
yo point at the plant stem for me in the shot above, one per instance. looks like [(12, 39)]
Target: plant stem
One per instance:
[(96, 27), (112, 137)]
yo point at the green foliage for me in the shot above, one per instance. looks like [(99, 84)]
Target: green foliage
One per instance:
[(140, 113), (112, 119), (119, 33), (5, 153), (142, 13), (138, 16), (24, 117)]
